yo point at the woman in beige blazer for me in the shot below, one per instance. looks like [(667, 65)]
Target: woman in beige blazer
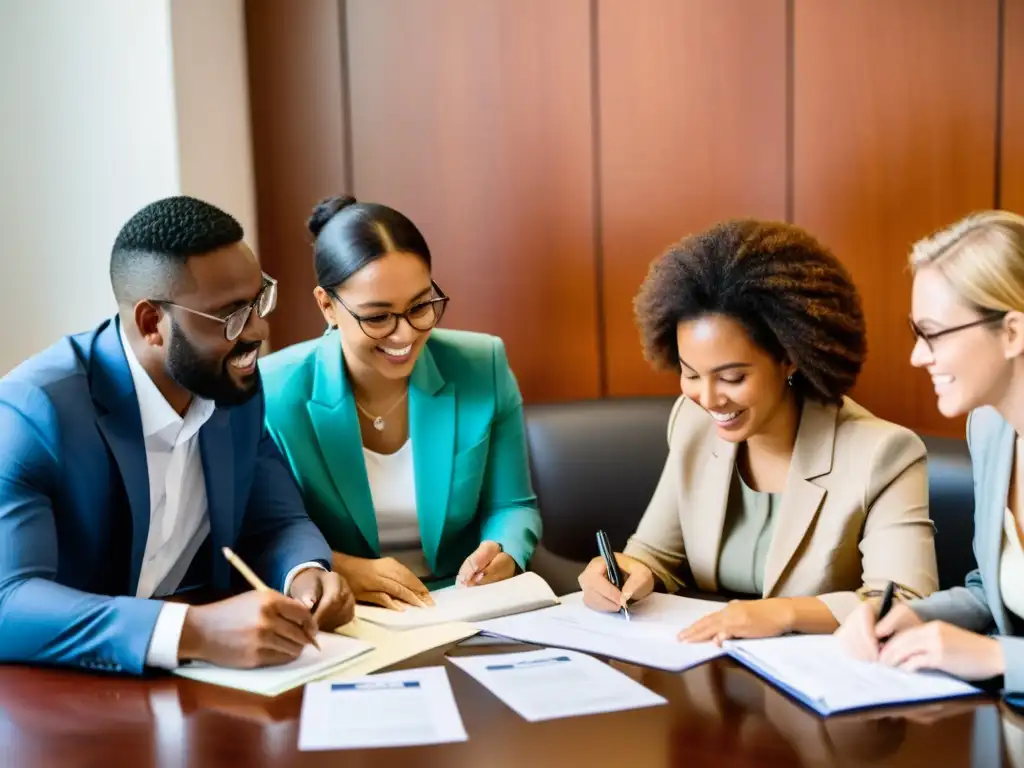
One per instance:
[(776, 486)]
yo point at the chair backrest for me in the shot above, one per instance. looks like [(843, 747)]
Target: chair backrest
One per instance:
[(596, 463), (951, 506)]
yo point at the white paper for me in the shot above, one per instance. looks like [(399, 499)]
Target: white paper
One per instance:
[(648, 638), (311, 664), (525, 592), (396, 709), (549, 684), (817, 670), (392, 646)]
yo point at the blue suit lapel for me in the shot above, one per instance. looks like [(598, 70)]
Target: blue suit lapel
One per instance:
[(332, 411), (217, 449), (120, 424), (997, 481), (432, 431)]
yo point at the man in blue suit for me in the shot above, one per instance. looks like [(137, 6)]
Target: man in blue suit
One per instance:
[(132, 454)]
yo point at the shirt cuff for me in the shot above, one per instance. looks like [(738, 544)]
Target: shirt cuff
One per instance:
[(296, 571), (163, 645)]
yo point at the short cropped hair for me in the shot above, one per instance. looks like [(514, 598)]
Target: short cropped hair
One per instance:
[(794, 298), (153, 247)]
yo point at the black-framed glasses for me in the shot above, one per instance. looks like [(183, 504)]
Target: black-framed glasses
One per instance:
[(928, 338), (421, 316), (235, 323)]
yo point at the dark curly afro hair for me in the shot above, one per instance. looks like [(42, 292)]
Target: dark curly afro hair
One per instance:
[(794, 298), (153, 246)]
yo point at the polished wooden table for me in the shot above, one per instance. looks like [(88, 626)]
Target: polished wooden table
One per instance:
[(719, 714)]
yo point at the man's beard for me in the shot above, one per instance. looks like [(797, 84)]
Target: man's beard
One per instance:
[(205, 378)]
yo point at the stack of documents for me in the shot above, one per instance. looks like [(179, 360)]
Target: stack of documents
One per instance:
[(543, 685), (311, 664), (815, 670), (526, 592), (648, 637), (396, 709)]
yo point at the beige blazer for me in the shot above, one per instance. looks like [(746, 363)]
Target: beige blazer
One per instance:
[(853, 515)]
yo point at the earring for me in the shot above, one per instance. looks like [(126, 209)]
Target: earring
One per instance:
[(789, 380)]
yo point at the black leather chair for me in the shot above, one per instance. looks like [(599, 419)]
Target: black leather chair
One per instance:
[(595, 464)]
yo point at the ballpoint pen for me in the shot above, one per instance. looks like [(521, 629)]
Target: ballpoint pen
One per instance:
[(611, 566)]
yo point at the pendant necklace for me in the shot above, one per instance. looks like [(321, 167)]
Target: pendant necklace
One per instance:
[(378, 421)]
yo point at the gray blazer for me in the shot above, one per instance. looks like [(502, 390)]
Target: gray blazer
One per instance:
[(978, 605)]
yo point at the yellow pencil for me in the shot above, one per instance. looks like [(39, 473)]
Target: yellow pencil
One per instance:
[(254, 581)]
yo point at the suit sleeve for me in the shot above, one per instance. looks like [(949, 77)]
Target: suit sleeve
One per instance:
[(898, 539), (508, 508), (658, 541), (41, 621), (277, 534), (965, 606)]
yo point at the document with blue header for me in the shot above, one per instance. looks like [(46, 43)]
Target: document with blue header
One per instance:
[(549, 684), (396, 709)]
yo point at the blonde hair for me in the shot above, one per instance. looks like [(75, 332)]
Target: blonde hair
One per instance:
[(982, 257)]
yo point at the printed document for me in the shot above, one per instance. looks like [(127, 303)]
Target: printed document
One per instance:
[(396, 709), (549, 684)]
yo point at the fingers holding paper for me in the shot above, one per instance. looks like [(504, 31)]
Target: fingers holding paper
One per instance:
[(740, 619), (945, 648), (600, 594), (488, 564)]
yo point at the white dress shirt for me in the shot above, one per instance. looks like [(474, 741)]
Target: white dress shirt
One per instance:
[(179, 519), (393, 490)]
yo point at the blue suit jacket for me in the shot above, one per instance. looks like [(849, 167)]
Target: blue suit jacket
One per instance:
[(74, 507), (472, 473), (978, 605)]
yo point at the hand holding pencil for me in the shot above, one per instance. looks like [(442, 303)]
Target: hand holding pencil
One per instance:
[(255, 629)]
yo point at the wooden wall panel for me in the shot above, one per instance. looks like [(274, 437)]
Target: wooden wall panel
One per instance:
[(894, 136), (296, 84), (1012, 154), (473, 117), (693, 130)]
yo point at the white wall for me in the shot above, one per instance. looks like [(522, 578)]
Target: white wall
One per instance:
[(108, 105)]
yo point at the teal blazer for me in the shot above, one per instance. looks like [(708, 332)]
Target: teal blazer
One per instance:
[(978, 605), (469, 448)]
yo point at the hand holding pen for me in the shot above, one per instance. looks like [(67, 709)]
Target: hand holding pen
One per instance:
[(611, 580)]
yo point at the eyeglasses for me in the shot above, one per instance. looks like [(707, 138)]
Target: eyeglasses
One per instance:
[(235, 323), (928, 338), (421, 317)]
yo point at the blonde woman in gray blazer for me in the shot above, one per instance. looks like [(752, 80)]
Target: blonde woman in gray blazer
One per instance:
[(968, 316)]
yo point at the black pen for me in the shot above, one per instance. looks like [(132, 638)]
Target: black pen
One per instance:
[(612, 567), (886, 605)]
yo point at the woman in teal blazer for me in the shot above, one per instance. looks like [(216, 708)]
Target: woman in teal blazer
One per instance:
[(968, 317), (407, 442)]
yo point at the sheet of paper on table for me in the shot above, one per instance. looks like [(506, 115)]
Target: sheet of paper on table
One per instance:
[(525, 592), (410, 707), (549, 684), (648, 638)]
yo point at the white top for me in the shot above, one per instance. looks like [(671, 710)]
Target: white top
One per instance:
[(1011, 566), (179, 519), (393, 489)]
